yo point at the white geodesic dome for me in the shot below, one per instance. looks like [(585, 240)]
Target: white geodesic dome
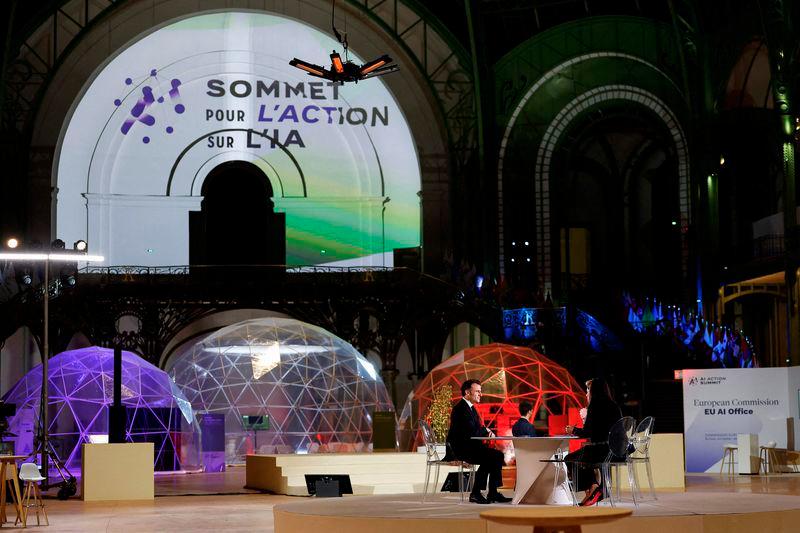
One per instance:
[(317, 390)]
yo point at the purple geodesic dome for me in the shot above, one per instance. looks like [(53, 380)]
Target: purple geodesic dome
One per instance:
[(81, 387), (317, 390)]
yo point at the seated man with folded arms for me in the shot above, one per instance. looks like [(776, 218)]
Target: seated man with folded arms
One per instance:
[(523, 427), (465, 424)]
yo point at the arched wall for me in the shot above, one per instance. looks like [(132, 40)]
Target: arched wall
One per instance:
[(554, 135), (548, 82), (411, 92)]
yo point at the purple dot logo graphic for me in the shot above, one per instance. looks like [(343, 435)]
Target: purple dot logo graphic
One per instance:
[(147, 108), (138, 111)]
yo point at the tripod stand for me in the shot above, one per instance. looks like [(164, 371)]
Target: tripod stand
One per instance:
[(68, 486)]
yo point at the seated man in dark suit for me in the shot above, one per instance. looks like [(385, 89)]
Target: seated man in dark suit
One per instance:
[(523, 426), (465, 424)]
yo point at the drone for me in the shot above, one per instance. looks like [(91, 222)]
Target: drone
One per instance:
[(344, 71)]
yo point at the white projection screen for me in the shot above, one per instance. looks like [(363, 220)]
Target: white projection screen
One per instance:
[(217, 87)]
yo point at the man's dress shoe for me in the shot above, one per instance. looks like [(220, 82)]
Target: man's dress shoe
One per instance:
[(497, 498), (477, 498)]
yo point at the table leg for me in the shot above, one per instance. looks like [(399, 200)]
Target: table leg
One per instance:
[(556, 529), (16, 495), (3, 493)]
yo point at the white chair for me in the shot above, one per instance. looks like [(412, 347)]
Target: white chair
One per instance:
[(29, 473), (767, 454), (433, 460), (729, 453)]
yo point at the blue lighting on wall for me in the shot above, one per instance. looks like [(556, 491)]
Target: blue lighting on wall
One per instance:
[(723, 346)]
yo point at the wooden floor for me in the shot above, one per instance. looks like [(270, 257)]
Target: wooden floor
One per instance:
[(253, 512)]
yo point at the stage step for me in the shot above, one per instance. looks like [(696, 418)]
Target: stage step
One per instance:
[(370, 473)]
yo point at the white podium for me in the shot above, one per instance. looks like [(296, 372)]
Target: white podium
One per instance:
[(749, 458)]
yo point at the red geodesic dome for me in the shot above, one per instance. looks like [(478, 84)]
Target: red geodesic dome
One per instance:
[(508, 375)]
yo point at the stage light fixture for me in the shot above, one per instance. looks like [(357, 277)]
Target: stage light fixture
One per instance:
[(12, 243), (344, 71), (58, 244), (336, 63), (80, 245)]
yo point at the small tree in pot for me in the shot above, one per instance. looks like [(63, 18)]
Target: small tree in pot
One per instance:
[(439, 412)]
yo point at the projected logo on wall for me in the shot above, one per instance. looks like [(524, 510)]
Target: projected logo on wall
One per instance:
[(139, 111), (135, 154)]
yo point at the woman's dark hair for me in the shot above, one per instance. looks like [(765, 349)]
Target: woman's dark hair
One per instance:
[(600, 391), (467, 385)]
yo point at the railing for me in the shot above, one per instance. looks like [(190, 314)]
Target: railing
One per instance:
[(184, 270)]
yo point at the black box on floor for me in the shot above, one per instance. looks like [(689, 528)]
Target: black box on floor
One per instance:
[(327, 488), (328, 485), (451, 482)]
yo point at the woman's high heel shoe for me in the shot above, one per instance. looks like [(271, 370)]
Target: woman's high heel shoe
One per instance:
[(593, 498)]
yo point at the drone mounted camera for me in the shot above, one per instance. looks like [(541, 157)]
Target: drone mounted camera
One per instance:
[(344, 71)]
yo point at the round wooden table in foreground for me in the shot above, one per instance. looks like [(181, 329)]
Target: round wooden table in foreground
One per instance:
[(555, 519)]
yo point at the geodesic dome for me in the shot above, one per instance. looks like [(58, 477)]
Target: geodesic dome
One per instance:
[(508, 375), (80, 389), (317, 390)]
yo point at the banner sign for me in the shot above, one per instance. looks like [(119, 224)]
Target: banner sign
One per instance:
[(218, 87), (718, 404)]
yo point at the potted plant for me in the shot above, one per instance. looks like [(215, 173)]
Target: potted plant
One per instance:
[(439, 416)]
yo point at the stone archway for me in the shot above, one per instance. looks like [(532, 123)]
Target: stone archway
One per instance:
[(237, 224)]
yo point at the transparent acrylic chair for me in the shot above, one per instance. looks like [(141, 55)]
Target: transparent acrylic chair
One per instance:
[(641, 453), (619, 448), (433, 460), (561, 466)]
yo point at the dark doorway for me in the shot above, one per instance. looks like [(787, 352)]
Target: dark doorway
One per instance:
[(237, 223)]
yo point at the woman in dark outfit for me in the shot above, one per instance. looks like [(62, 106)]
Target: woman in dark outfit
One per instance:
[(601, 414)]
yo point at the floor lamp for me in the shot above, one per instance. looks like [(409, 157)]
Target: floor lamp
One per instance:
[(59, 255)]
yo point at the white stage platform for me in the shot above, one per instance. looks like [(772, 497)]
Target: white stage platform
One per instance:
[(370, 473), (694, 512)]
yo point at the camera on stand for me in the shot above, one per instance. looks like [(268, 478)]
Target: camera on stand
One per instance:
[(6, 444)]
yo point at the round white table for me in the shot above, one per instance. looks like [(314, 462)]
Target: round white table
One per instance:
[(536, 481)]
